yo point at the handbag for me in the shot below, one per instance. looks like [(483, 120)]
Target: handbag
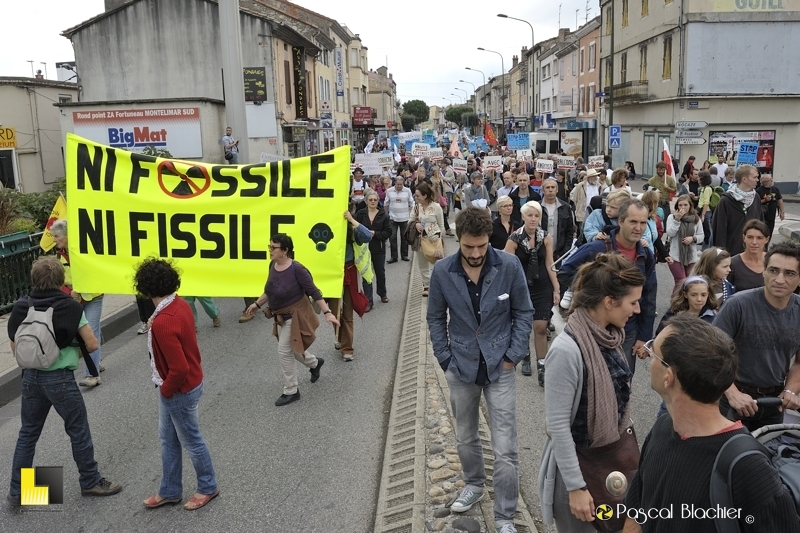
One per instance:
[(228, 156), (608, 472), (430, 247), (442, 201)]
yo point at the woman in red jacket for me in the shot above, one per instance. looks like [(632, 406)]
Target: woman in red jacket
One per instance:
[(178, 375)]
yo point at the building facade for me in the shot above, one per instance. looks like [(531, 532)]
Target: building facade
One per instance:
[(31, 153), (382, 97), (295, 61), (705, 63)]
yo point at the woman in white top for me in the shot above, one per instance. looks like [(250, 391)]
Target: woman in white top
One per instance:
[(428, 218)]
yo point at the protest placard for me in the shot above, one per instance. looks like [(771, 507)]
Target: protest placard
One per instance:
[(519, 141), (492, 162), (524, 155), (596, 161), (566, 162), (544, 165), (747, 154), (420, 149), (459, 165), (436, 154)]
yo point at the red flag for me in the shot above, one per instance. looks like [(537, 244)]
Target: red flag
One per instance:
[(489, 135), (667, 158)]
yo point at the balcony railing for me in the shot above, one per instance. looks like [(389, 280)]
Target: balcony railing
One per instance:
[(630, 91)]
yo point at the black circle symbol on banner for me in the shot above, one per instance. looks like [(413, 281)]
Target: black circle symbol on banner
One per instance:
[(194, 182), (321, 234), (604, 512)]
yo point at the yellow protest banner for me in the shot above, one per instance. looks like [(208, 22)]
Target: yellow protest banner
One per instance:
[(59, 211), (214, 221)]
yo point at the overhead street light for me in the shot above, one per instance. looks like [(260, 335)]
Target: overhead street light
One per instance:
[(533, 93)]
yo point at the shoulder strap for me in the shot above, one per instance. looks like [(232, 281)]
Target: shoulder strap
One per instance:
[(609, 245), (734, 450)]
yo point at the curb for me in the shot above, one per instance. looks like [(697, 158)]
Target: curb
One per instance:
[(791, 231), (110, 327)]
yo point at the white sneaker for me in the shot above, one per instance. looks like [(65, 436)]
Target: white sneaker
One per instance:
[(507, 528), (143, 329), (90, 382)]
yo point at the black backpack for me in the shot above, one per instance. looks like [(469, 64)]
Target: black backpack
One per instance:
[(786, 462)]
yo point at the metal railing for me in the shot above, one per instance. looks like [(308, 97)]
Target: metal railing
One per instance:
[(630, 91), (15, 273)]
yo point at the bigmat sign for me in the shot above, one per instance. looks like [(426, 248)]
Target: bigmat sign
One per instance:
[(174, 129), (214, 221)]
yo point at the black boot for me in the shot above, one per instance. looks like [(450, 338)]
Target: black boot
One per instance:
[(526, 365), (540, 371)]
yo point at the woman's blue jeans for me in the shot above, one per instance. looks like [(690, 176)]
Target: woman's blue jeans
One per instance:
[(179, 427)]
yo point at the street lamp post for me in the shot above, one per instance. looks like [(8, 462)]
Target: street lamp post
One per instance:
[(503, 83), (530, 67), (466, 94), (457, 96), (476, 93), (451, 103)]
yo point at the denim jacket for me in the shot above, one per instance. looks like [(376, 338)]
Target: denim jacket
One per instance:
[(506, 316), (645, 261)]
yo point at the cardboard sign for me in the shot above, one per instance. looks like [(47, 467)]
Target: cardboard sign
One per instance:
[(459, 165), (493, 162), (436, 154), (518, 141), (420, 149), (544, 165), (524, 155), (747, 154), (566, 162), (596, 161)]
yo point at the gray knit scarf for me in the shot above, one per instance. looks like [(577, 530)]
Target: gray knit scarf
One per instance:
[(603, 412), (687, 228)]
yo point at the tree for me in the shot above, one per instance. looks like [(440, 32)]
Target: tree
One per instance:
[(418, 109), (469, 119), (454, 113), (408, 122)]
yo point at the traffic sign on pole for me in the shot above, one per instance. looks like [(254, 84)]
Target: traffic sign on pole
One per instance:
[(688, 133), (614, 140), (689, 140), (690, 124)]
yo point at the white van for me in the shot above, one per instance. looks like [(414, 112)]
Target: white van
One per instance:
[(545, 142)]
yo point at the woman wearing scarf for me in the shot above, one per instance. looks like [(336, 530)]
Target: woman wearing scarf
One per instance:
[(178, 376), (738, 205), (588, 387), (685, 232), (476, 191)]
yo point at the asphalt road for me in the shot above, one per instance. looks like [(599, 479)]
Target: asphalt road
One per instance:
[(312, 466)]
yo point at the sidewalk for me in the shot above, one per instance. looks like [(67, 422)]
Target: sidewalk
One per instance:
[(119, 314)]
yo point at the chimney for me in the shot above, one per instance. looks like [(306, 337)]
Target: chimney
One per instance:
[(524, 51), (562, 33), (514, 61), (39, 75)]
